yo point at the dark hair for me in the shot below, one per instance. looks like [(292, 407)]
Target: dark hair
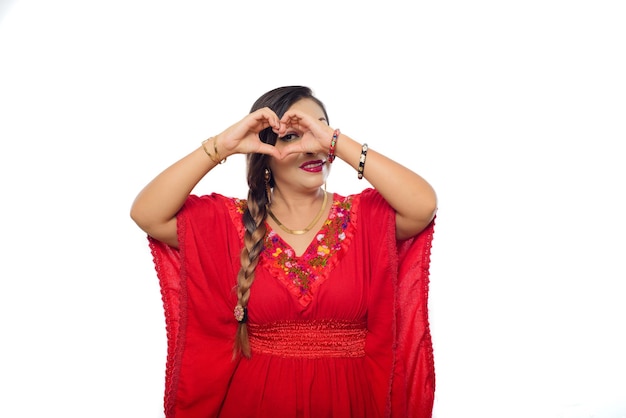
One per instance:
[(279, 100)]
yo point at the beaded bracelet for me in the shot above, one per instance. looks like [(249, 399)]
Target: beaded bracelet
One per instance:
[(333, 144), (362, 161), (216, 159)]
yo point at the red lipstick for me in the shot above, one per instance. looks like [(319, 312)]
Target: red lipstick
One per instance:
[(313, 166)]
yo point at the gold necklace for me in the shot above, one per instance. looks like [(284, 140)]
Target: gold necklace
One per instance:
[(300, 231)]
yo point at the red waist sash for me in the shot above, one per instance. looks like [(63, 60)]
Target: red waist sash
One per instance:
[(309, 339)]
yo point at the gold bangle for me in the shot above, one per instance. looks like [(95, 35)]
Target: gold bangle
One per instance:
[(206, 150), (217, 154), (216, 159)]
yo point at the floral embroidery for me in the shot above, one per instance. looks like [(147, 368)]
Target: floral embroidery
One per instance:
[(236, 208), (302, 273), (240, 205)]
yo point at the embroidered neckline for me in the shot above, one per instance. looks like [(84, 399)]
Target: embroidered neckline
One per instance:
[(303, 274)]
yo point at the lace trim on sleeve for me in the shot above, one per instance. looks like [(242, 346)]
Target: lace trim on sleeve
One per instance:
[(170, 272)]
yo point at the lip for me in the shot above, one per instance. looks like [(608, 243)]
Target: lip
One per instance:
[(313, 166)]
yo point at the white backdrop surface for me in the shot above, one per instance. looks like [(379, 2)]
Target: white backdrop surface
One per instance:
[(514, 111)]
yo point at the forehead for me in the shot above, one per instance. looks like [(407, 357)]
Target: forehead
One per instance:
[(310, 107)]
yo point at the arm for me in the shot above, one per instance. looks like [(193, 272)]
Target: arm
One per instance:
[(412, 197), (155, 207)]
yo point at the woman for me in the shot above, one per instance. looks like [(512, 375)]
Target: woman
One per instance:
[(294, 302)]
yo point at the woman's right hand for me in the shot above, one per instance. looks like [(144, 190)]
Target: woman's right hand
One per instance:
[(155, 208), (243, 136)]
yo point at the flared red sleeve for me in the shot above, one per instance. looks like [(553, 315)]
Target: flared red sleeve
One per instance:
[(197, 283), (167, 265), (414, 367), (406, 282)]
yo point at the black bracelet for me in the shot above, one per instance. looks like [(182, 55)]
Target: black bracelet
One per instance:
[(362, 161)]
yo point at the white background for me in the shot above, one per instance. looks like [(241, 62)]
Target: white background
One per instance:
[(513, 110)]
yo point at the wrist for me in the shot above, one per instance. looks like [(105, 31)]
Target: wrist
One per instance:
[(211, 149), (333, 145)]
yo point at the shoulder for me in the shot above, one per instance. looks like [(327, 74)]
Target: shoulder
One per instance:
[(365, 210), (213, 199), (212, 212), (367, 201), (211, 206)]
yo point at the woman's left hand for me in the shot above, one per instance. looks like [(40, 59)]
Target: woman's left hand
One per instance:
[(315, 135)]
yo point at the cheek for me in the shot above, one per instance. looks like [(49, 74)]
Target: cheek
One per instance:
[(288, 161), (282, 165)]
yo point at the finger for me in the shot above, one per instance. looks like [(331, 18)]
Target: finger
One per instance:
[(301, 122), (269, 118), (290, 126), (269, 150), (289, 149), (292, 118), (290, 114), (265, 118), (282, 129)]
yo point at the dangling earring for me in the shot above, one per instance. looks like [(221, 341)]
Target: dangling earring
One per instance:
[(268, 189)]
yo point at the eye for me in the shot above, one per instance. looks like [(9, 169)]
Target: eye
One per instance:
[(289, 137)]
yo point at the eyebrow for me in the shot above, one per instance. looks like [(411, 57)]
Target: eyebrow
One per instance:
[(323, 119)]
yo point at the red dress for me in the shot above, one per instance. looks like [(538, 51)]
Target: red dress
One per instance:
[(338, 331)]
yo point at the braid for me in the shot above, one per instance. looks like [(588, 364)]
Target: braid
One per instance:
[(254, 222)]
